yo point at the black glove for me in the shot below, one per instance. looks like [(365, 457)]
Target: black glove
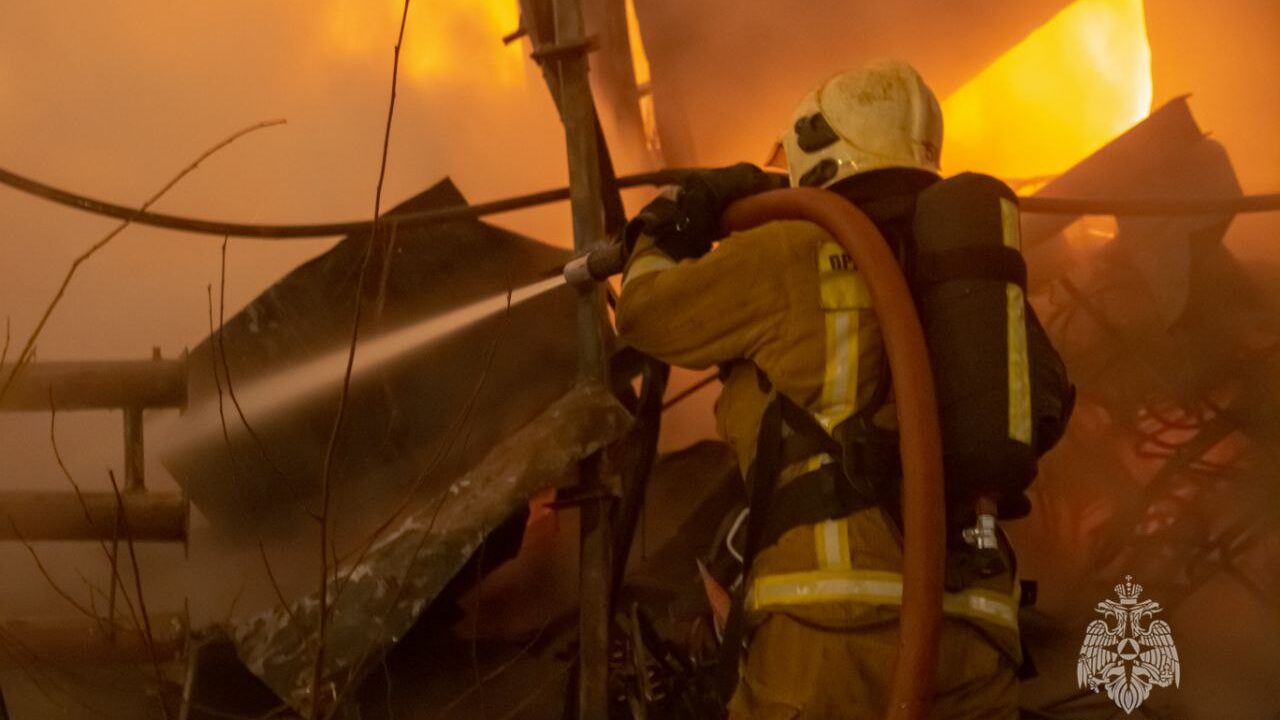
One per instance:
[(685, 219)]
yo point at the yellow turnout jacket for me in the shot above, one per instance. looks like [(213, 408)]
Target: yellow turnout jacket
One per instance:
[(784, 297)]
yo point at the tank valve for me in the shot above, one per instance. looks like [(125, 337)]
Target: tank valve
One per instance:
[(984, 538), (982, 535)]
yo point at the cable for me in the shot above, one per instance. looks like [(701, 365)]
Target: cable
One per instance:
[(285, 232), (1031, 204)]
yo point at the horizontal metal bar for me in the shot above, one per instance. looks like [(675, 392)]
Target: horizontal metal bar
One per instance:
[(82, 641), (1150, 206), (41, 515), (97, 385)]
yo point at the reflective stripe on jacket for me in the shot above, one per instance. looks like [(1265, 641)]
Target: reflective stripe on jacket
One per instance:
[(785, 298)]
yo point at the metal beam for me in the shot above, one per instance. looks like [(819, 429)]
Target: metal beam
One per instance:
[(567, 78), (97, 385), (37, 515), (84, 642), (134, 456)]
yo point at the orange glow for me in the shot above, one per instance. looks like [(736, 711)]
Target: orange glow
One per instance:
[(639, 60), (640, 65), (1064, 91), (445, 40)]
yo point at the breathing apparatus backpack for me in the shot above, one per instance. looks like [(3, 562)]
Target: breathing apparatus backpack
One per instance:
[(1003, 393), (1002, 389)]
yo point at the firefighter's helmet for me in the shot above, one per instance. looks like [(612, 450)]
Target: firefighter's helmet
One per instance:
[(881, 115)]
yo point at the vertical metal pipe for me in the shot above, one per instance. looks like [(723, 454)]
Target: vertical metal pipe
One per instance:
[(134, 458), (577, 112)]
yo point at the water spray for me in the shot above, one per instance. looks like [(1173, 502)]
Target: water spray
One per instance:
[(266, 397)]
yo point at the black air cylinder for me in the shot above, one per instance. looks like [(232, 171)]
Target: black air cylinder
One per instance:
[(969, 280)]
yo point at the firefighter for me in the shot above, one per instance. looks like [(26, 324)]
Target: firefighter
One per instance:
[(786, 317)]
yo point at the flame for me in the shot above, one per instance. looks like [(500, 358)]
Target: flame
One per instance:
[(640, 66), (639, 59), (1064, 91), (445, 40)]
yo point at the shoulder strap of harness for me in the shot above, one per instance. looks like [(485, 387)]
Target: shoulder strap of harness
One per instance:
[(761, 479), (822, 494)]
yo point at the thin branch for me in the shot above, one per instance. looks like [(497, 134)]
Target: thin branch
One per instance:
[(440, 501), (4, 354), (215, 337), (451, 437), (235, 601), (28, 660), (142, 602), (28, 347), (218, 350), (111, 555), (326, 481), (492, 674), (49, 578), (226, 366), (275, 585)]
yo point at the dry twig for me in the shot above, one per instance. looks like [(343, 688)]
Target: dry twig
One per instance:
[(28, 348), (111, 555), (326, 480), (275, 585), (27, 660), (494, 673), (148, 636), (49, 578), (215, 337), (221, 350), (4, 354), (451, 437)]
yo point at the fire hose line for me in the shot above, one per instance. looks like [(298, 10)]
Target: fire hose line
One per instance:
[(920, 446), (1032, 204)]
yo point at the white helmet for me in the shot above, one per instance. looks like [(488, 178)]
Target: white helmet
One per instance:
[(881, 115)]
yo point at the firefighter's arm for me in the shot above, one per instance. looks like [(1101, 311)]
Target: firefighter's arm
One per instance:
[(699, 312)]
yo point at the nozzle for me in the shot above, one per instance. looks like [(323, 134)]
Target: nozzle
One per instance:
[(597, 265)]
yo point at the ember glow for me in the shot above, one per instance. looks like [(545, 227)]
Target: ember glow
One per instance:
[(1051, 100), (445, 40)]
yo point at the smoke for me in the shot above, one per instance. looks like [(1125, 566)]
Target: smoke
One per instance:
[(111, 99)]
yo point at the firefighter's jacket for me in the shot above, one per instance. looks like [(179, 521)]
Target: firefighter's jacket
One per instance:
[(784, 297)]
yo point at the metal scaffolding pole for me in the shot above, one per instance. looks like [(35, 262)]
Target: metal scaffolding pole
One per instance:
[(577, 112)]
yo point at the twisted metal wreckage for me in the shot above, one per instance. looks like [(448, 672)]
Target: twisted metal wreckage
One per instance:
[(447, 457)]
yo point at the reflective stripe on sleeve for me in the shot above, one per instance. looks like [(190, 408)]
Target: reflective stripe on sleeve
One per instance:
[(874, 587), (646, 263), (840, 382), (843, 296)]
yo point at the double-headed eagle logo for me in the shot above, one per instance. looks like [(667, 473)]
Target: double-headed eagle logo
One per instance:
[(1128, 652)]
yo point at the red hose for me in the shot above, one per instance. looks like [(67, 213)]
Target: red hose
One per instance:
[(923, 511)]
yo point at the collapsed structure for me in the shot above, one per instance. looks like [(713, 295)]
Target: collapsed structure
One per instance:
[(1175, 361)]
